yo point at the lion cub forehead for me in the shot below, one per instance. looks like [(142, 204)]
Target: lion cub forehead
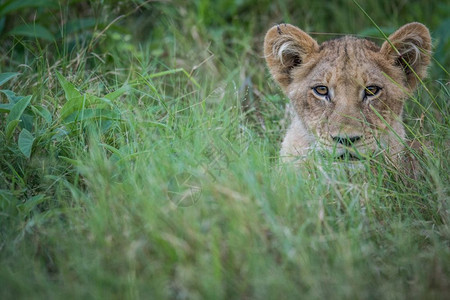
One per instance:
[(348, 48), (347, 44), (345, 60)]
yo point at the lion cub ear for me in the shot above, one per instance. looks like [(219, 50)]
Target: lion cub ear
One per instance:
[(410, 49), (285, 47)]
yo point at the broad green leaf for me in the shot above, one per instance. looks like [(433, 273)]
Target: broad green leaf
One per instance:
[(33, 31), (6, 108), (10, 128), (13, 5), (92, 114), (71, 106), (117, 93), (69, 89), (25, 142), (27, 121), (77, 107), (83, 107), (15, 114), (5, 77), (74, 98), (12, 97), (60, 134), (18, 108), (106, 125), (43, 112)]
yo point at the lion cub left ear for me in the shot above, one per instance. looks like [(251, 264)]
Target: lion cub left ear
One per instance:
[(410, 49), (285, 48)]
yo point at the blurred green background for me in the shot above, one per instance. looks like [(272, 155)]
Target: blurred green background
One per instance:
[(232, 29), (139, 149)]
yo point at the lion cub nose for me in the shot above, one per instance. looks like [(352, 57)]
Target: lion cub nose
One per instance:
[(346, 140)]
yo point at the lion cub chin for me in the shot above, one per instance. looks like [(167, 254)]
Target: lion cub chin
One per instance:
[(346, 94)]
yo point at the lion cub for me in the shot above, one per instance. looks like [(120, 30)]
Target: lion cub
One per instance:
[(347, 94)]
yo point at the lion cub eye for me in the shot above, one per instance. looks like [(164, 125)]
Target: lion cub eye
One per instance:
[(321, 90), (372, 90)]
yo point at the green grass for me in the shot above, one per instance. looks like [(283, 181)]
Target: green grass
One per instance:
[(146, 163)]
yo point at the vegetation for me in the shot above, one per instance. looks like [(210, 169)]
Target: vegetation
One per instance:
[(139, 159)]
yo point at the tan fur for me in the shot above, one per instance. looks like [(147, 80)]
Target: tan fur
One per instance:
[(346, 66)]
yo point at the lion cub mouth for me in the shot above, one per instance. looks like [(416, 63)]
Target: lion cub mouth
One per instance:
[(348, 156), (343, 155)]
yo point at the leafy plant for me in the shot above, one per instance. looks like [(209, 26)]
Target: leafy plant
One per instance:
[(79, 111), (139, 156), (11, 8)]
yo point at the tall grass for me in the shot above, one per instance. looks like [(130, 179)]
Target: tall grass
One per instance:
[(145, 164)]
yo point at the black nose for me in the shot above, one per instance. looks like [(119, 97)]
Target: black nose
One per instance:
[(347, 140)]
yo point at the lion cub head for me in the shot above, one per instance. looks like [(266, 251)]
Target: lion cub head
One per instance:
[(347, 94)]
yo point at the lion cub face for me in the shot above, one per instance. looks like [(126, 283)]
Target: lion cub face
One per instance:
[(347, 94)]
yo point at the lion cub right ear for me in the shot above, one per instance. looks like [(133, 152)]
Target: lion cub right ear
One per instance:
[(410, 48), (285, 47)]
